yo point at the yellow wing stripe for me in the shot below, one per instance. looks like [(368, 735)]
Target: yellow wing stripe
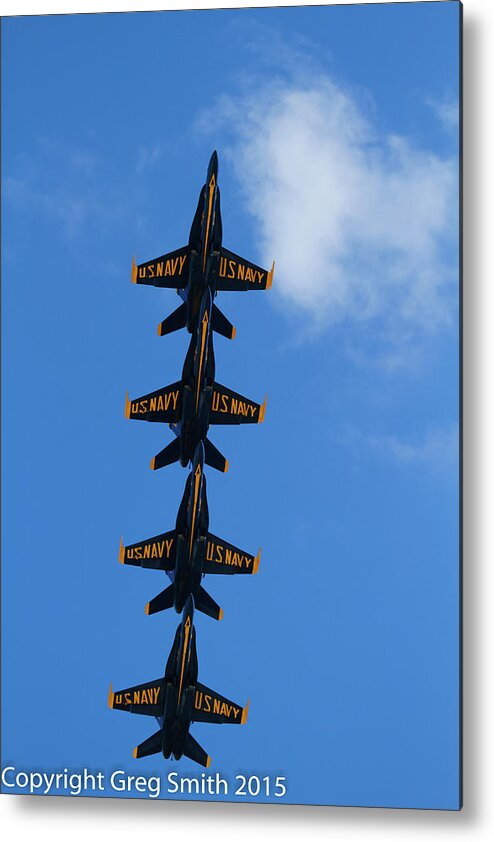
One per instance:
[(245, 713), (262, 410), (269, 282)]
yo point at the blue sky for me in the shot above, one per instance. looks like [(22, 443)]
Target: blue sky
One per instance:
[(336, 129)]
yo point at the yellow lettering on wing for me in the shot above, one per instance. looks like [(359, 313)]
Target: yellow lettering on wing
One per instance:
[(158, 403), (158, 268), (143, 696), (220, 554), (235, 270), (150, 549)]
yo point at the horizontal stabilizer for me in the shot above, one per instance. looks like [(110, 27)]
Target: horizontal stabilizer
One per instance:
[(175, 321), (209, 706), (157, 553), (214, 458), (194, 751), (150, 746), (170, 270), (220, 324), (229, 407), (169, 454), (161, 602), (222, 557), (207, 605)]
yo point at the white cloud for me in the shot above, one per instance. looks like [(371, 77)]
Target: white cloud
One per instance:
[(362, 226), (437, 450), (447, 111), (147, 157)]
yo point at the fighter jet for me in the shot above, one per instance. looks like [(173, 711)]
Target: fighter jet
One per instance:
[(200, 264), (195, 402), (189, 551), (178, 699)]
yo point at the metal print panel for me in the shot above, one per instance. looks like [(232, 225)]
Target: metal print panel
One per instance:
[(266, 199)]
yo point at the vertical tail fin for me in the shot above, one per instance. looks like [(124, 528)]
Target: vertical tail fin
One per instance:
[(175, 321), (214, 458), (207, 605), (220, 324)]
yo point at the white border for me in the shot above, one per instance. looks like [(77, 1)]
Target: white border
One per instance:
[(79, 819)]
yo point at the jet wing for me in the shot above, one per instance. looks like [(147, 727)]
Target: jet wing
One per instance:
[(211, 707), (237, 275), (146, 698), (157, 553), (170, 270), (231, 408), (222, 557), (161, 405)]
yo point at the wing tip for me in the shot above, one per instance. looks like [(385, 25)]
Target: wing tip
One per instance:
[(152, 464), (221, 614), (135, 753), (269, 282), (160, 328), (262, 411), (121, 552), (133, 274), (208, 762), (146, 608), (234, 332), (227, 465), (257, 561), (127, 406), (111, 696), (245, 713)]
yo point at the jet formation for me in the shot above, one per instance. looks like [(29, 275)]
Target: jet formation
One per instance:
[(189, 406)]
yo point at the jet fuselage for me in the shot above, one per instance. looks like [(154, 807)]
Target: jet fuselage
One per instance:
[(180, 685), (204, 243), (197, 384), (192, 531)]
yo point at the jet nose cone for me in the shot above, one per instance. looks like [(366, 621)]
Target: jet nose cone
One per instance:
[(213, 164), (188, 607), (199, 455), (207, 301)]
